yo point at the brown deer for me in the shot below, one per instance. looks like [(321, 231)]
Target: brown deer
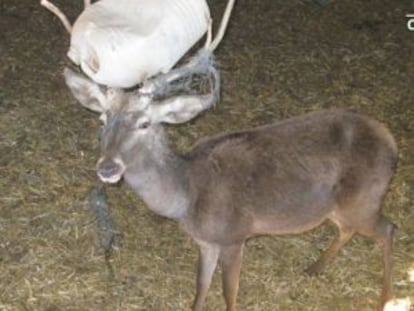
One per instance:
[(282, 178)]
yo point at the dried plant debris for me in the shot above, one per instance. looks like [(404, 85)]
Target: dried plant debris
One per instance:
[(109, 237)]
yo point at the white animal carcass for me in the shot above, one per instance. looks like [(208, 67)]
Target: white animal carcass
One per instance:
[(121, 43)]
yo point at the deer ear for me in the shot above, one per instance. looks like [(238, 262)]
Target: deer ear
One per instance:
[(87, 92), (180, 109)]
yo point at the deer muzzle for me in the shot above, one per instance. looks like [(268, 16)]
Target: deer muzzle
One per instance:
[(110, 170)]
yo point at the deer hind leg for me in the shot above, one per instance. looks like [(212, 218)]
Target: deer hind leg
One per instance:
[(231, 258), (366, 217), (344, 235), (382, 231)]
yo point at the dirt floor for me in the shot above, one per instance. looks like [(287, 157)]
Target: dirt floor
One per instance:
[(279, 59)]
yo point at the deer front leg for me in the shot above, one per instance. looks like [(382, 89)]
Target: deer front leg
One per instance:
[(207, 263), (231, 258)]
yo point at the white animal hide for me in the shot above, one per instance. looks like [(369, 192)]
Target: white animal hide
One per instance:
[(121, 43)]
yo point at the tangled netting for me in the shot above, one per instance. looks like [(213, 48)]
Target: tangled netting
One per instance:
[(199, 75)]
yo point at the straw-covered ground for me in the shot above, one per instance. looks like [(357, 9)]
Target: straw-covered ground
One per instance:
[(279, 59)]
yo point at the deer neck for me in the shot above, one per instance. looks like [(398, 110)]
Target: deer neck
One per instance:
[(159, 176)]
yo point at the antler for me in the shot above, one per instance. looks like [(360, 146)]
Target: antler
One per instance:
[(55, 10), (223, 26)]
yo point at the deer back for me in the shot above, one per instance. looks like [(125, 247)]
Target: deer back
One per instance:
[(285, 177)]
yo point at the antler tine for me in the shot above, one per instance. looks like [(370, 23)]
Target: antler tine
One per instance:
[(223, 25), (209, 36), (55, 10), (86, 3)]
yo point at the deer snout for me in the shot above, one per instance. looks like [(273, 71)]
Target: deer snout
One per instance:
[(110, 170)]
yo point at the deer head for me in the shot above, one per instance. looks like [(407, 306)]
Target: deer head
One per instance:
[(133, 114)]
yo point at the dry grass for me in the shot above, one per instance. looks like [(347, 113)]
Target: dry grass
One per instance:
[(280, 58)]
